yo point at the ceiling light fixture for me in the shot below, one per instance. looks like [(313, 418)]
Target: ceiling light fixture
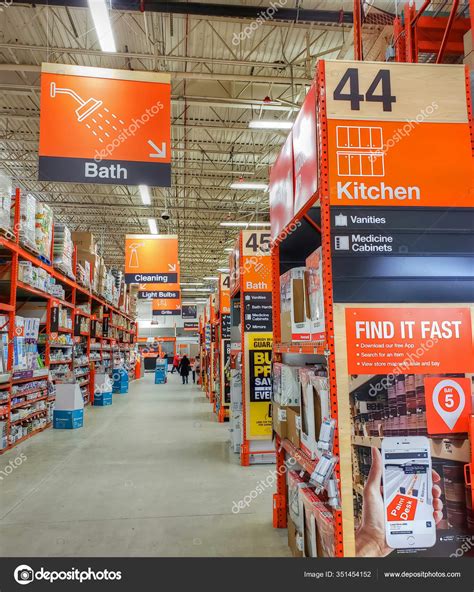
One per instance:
[(152, 225), (244, 224), (102, 24), (249, 185), (210, 278), (270, 124), (145, 194), (195, 289), (192, 284), (229, 249)]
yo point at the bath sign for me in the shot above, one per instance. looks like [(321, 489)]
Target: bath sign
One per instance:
[(99, 125)]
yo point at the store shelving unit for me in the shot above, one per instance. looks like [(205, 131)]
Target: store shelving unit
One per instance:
[(64, 343), (306, 230)]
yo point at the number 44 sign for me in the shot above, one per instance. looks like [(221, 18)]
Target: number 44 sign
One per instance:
[(448, 404)]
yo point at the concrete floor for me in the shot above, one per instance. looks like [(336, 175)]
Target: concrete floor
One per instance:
[(153, 475)]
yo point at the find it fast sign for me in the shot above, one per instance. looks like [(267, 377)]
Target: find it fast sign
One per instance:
[(117, 122)]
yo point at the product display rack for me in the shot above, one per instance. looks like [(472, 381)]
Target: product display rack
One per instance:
[(308, 229), (64, 341)]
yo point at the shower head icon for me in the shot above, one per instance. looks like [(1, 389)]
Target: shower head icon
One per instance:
[(85, 109)]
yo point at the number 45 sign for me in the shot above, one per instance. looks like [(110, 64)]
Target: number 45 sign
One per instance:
[(448, 404)]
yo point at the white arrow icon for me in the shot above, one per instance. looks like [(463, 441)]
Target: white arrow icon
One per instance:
[(159, 152), (171, 266), (449, 417)]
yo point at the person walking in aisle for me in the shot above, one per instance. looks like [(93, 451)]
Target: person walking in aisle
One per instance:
[(175, 363), (183, 368), (193, 369)]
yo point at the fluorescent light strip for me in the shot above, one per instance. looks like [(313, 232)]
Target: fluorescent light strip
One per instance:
[(249, 185), (192, 284), (196, 289), (229, 249), (102, 24), (223, 269), (244, 224), (145, 194), (210, 278), (152, 225), (270, 124)]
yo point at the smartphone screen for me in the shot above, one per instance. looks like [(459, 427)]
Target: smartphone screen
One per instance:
[(407, 488)]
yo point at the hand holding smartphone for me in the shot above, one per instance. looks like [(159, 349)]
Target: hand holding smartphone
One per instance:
[(408, 492)]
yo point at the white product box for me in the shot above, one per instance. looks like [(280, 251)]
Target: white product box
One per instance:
[(294, 306), (314, 282), (102, 383), (286, 385), (314, 408), (68, 397)]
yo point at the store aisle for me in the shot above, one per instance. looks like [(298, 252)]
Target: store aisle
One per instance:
[(152, 475)]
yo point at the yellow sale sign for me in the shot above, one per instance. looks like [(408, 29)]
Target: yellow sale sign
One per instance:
[(258, 350)]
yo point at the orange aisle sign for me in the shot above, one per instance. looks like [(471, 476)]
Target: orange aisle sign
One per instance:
[(166, 307), (151, 259), (448, 404), (224, 293), (398, 135), (409, 340), (117, 122)]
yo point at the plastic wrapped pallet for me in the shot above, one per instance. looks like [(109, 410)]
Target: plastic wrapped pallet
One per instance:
[(43, 229), (28, 221), (63, 249), (5, 202)]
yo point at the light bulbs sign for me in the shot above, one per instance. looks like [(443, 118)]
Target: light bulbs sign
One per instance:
[(117, 122)]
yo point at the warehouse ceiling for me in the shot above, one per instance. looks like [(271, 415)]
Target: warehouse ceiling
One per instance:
[(219, 83)]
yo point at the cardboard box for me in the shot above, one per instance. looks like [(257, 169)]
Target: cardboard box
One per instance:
[(279, 420), (294, 306), (314, 283), (319, 526), (68, 397), (314, 408), (84, 241), (295, 499), (295, 540), (293, 425), (103, 399), (68, 420)]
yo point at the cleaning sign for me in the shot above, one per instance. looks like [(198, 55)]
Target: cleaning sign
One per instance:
[(117, 122), (151, 259)]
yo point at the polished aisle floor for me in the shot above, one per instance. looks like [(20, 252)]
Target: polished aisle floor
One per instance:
[(152, 475)]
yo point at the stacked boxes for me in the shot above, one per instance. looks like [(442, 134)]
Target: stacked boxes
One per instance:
[(43, 229), (63, 249), (28, 221), (5, 202), (69, 407), (468, 50)]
